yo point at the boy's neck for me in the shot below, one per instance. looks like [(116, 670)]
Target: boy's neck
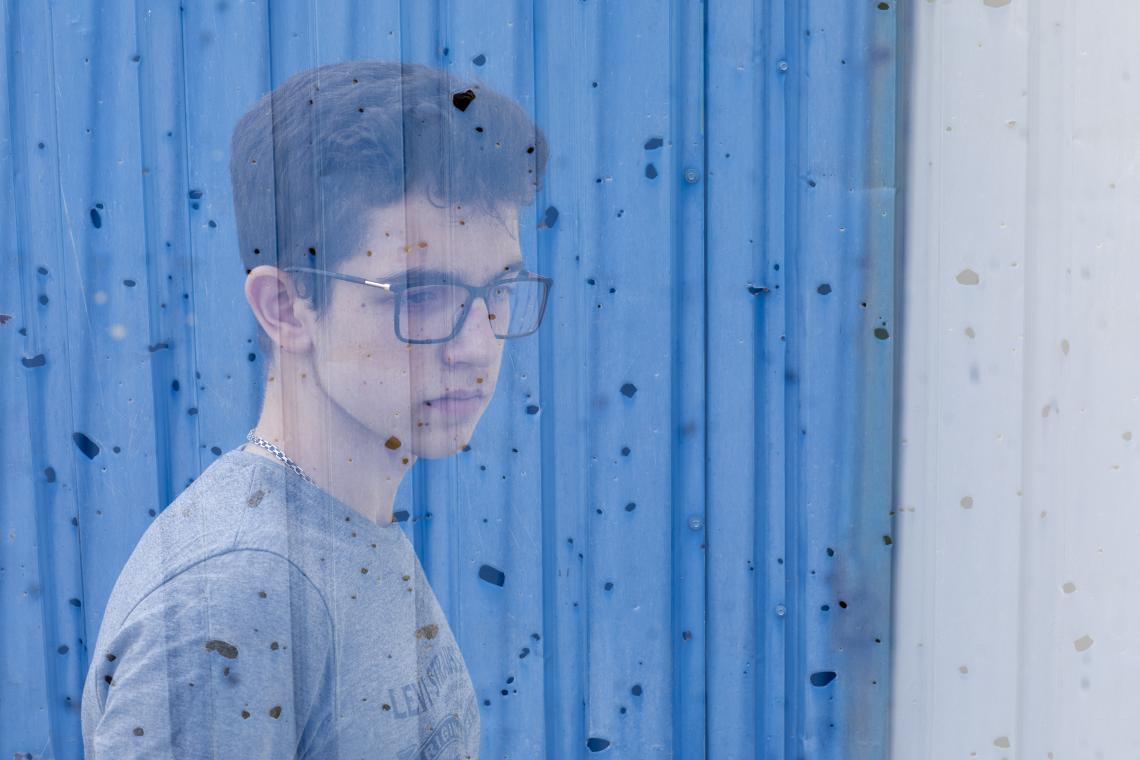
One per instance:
[(343, 458)]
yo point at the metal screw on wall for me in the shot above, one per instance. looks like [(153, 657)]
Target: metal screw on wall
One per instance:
[(695, 523), (691, 176)]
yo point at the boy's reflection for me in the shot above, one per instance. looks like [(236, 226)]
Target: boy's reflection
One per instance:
[(276, 611)]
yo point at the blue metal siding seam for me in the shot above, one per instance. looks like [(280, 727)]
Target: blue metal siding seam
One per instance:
[(794, 525)]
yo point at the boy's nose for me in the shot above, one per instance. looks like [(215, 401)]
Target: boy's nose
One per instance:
[(476, 342)]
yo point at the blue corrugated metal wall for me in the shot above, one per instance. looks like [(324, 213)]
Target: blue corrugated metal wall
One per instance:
[(701, 568)]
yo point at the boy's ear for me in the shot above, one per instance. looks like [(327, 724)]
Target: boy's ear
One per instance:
[(273, 298)]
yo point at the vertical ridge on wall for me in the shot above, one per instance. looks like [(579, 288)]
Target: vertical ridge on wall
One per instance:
[(688, 389), (564, 398), (25, 720), (768, 267), (556, 703), (795, 731), (738, 273)]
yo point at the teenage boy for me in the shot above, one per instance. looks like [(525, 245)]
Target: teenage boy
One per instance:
[(274, 609)]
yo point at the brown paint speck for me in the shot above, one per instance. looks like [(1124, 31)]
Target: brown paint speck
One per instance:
[(255, 498), (245, 714), (224, 648), (968, 277), (428, 631), (275, 712), (392, 443), (138, 731), (262, 594), (274, 646)]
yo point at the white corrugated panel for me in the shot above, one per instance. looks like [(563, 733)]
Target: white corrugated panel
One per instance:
[(1015, 621)]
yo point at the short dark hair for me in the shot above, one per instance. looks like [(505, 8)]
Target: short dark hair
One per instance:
[(332, 142)]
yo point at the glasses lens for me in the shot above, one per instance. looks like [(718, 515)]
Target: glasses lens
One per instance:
[(516, 307), (430, 312)]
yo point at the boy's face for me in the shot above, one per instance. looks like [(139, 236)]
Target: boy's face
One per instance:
[(391, 388)]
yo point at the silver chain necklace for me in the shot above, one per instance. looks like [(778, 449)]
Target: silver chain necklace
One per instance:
[(252, 437)]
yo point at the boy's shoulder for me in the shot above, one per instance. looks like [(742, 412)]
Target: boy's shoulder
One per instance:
[(245, 503), (239, 503)]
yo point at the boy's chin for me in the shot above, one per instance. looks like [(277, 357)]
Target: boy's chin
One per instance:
[(442, 444)]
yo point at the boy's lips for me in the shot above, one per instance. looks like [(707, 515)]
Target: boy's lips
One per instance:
[(458, 405)]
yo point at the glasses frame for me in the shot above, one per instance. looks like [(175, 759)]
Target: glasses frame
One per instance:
[(398, 289)]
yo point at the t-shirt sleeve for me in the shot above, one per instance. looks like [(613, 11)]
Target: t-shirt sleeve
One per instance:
[(230, 658)]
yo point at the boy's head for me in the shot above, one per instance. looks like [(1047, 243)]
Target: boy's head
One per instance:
[(311, 158), (397, 174)]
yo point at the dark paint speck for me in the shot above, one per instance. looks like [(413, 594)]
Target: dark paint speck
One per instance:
[(224, 648), (492, 575), (462, 99), (550, 217), (89, 448), (596, 744), (822, 678)]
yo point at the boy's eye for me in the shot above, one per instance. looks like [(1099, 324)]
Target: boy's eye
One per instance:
[(422, 295)]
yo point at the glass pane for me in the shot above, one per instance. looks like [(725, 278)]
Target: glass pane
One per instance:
[(246, 520)]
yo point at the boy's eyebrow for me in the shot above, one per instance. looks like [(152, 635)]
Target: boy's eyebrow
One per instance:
[(425, 273)]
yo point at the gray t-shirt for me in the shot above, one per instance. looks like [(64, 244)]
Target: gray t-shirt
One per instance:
[(260, 617)]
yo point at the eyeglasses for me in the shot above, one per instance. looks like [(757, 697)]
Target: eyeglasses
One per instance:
[(434, 312)]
